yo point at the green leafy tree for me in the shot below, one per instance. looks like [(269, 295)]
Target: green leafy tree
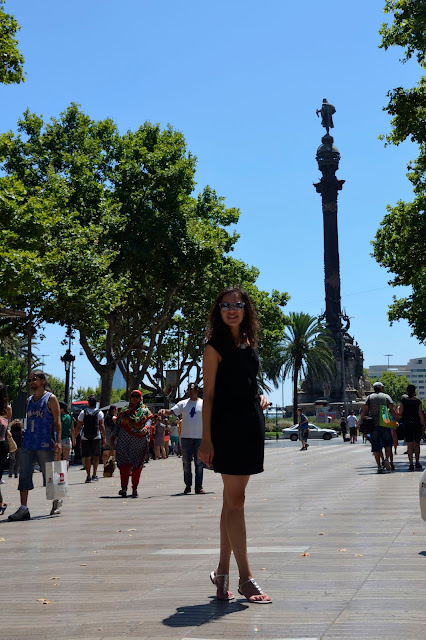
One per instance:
[(400, 240), (83, 393), (13, 372), (11, 59), (56, 386), (305, 348), (102, 234), (395, 386)]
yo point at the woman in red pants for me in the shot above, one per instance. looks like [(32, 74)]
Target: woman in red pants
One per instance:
[(129, 438)]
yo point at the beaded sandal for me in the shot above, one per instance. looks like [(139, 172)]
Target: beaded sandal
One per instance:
[(259, 592), (226, 595)]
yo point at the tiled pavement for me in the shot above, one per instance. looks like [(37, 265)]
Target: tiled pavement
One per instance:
[(110, 568)]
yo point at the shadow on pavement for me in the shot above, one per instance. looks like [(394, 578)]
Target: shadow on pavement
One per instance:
[(45, 517), (199, 614)]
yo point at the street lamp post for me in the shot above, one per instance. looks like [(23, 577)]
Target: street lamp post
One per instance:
[(67, 359), (388, 355)]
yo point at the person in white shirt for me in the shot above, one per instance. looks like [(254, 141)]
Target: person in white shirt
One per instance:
[(93, 435), (353, 427), (190, 438)]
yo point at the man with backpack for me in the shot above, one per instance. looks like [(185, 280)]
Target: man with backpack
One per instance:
[(91, 420), (380, 436)]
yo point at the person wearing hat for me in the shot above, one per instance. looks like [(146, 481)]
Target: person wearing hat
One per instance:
[(380, 436)]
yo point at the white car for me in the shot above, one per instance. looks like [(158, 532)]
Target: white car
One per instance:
[(314, 432)]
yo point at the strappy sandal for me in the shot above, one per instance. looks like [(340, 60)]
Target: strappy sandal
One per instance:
[(226, 595), (3, 509), (259, 592)]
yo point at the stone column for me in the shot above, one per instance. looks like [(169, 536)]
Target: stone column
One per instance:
[(328, 158)]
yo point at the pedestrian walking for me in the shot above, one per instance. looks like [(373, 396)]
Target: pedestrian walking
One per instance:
[(91, 421), (379, 436), (166, 437), (303, 429), (412, 418), (43, 420), (174, 437), (190, 437), (160, 429), (353, 427), (129, 438), (66, 423), (109, 420), (230, 367), (5, 418), (16, 428), (344, 428)]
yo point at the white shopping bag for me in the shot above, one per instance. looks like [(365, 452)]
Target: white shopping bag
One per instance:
[(56, 480), (422, 495)]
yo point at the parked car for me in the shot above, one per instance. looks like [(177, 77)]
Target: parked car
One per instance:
[(314, 432)]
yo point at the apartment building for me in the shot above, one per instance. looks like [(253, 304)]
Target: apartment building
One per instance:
[(415, 370)]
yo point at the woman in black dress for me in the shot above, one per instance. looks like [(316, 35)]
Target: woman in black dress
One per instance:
[(234, 448)]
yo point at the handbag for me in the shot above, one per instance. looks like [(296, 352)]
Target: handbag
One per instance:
[(56, 479), (366, 425), (12, 445), (109, 467), (385, 418)]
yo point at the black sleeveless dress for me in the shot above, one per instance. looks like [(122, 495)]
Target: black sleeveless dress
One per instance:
[(238, 423)]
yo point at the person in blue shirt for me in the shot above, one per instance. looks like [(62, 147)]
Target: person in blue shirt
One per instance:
[(303, 429), (38, 444)]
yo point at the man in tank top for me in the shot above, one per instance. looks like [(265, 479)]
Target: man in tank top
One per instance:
[(41, 440)]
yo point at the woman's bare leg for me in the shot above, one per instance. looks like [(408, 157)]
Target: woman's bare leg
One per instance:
[(66, 455), (416, 449), (234, 521), (410, 448), (225, 555)]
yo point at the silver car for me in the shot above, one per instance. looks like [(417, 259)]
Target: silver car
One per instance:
[(314, 432)]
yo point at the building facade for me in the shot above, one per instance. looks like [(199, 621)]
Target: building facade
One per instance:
[(415, 370)]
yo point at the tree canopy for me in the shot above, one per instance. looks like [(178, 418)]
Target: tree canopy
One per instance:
[(11, 59), (305, 348), (395, 386), (102, 233), (400, 240)]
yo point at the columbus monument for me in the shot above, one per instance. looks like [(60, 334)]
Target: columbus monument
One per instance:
[(345, 386)]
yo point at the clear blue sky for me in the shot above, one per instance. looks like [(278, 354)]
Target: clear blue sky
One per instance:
[(242, 80)]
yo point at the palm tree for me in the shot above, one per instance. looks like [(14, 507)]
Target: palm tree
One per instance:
[(306, 348)]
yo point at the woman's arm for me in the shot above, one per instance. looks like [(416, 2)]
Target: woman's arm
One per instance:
[(211, 361), (422, 416)]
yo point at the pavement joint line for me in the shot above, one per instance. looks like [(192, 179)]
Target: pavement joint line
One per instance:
[(202, 552), (257, 638)]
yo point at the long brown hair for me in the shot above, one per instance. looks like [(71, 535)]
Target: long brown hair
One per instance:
[(216, 328)]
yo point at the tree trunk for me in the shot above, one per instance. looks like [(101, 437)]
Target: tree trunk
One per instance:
[(295, 378), (107, 376), (105, 371)]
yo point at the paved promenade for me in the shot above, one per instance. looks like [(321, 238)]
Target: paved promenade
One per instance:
[(341, 550)]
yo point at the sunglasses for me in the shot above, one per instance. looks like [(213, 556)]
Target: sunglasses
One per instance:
[(33, 379), (135, 395), (225, 306)]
